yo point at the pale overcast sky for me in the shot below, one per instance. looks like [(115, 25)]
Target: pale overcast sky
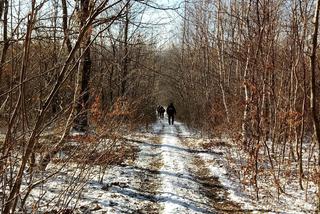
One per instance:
[(162, 24), (165, 23)]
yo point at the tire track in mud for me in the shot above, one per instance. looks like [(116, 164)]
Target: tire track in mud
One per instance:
[(137, 191), (209, 185), (146, 170)]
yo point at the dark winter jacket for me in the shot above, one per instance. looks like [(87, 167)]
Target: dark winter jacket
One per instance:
[(171, 110)]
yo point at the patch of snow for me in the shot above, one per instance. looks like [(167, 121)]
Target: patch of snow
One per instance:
[(235, 193), (290, 203), (177, 183), (165, 163)]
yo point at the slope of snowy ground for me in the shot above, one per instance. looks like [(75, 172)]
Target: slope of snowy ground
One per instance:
[(294, 201), (172, 173)]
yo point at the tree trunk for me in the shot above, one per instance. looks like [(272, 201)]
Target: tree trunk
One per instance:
[(126, 52), (313, 92), (4, 3), (65, 25), (220, 37), (81, 121), (9, 207)]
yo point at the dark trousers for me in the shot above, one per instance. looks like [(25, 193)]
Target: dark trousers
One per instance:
[(171, 119)]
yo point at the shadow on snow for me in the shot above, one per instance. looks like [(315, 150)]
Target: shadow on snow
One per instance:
[(192, 151)]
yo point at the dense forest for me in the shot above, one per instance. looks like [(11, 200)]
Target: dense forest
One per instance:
[(248, 70)]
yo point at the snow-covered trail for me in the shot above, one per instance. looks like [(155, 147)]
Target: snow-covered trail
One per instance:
[(187, 185), (179, 187), (169, 175), (170, 170)]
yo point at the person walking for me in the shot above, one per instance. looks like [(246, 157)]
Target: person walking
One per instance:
[(160, 111), (171, 111)]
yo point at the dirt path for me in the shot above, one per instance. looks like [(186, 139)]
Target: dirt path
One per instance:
[(169, 175), (179, 187), (186, 181)]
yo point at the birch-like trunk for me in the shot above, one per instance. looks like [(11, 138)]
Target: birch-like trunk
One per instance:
[(313, 92), (221, 62)]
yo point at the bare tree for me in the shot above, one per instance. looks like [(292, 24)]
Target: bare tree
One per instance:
[(81, 122), (313, 92)]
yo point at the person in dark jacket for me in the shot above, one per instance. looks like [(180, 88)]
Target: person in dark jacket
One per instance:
[(171, 111), (160, 111)]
